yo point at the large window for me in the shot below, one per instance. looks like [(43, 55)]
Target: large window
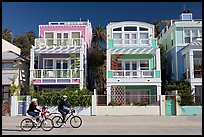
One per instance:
[(49, 38), (48, 64), (191, 34), (144, 64)]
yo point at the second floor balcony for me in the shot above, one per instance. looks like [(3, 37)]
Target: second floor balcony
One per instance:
[(59, 42), (114, 43), (195, 74), (134, 74)]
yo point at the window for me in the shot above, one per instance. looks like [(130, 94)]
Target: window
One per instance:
[(144, 38), (130, 28), (194, 35), (117, 38), (49, 38), (143, 29), (144, 64), (172, 40), (117, 29), (7, 65), (119, 65), (187, 36), (48, 64)]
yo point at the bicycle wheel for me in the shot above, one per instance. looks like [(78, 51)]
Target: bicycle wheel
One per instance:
[(57, 121), (47, 124), (75, 121), (27, 124)]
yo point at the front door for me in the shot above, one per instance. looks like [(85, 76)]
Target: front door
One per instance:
[(170, 106)]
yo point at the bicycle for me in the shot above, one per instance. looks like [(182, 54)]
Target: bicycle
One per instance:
[(27, 124), (75, 121)]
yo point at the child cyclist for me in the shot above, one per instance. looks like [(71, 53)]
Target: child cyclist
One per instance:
[(44, 111)]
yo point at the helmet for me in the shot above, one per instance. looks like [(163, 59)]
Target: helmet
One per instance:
[(34, 99), (45, 107), (64, 96)]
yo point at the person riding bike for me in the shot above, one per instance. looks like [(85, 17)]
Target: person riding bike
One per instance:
[(61, 108), (33, 109)]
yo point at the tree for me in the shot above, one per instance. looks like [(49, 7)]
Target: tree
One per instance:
[(6, 35), (158, 24), (96, 59), (24, 43)]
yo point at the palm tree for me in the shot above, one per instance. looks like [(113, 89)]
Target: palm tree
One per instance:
[(98, 36), (6, 35), (97, 57), (158, 24)]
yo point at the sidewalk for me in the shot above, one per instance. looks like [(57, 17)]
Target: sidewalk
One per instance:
[(118, 125)]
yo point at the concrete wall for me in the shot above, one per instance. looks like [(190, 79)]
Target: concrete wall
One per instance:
[(127, 110)]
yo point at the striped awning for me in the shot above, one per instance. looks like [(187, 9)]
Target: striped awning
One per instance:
[(56, 49), (135, 50)]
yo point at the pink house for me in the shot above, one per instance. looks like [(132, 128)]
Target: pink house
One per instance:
[(59, 56)]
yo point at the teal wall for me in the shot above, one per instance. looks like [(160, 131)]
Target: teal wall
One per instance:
[(179, 35), (191, 110)]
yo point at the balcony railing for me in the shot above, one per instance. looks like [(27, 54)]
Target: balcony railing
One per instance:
[(196, 74), (59, 42), (56, 73), (134, 73), (132, 42)]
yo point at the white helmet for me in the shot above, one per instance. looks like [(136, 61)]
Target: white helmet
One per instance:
[(64, 96), (34, 99)]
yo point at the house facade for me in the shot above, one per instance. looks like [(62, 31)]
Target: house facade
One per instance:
[(174, 37), (15, 70), (192, 58), (133, 63), (59, 56)]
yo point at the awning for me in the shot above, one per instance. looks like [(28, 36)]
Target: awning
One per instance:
[(135, 50), (7, 79), (57, 49)]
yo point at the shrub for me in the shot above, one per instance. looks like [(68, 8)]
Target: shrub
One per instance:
[(74, 98)]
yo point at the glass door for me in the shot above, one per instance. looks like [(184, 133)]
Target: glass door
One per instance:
[(127, 67)]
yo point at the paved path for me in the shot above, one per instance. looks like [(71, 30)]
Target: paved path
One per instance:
[(121, 125)]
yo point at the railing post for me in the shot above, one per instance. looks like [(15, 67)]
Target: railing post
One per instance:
[(41, 70)]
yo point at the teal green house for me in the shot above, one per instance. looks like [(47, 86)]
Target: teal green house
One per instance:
[(133, 63)]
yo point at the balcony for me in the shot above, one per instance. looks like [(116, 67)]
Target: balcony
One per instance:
[(114, 43), (134, 74), (56, 76), (196, 74), (59, 42)]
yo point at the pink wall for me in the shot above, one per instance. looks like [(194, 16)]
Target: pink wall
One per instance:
[(60, 28), (83, 30)]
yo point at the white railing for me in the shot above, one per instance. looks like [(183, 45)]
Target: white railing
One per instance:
[(133, 73), (56, 73), (59, 42), (132, 42)]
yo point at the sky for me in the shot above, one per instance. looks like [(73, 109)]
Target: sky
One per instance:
[(21, 17)]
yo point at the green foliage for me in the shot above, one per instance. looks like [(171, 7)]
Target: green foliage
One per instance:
[(184, 92), (13, 88), (114, 103), (6, 35), (24, 43), (198, 67), (74, 98), (142, 103)]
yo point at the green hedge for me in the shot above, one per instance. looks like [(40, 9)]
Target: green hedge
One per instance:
[(74, 98)]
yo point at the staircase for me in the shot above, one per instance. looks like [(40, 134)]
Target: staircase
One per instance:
[(114, 62)]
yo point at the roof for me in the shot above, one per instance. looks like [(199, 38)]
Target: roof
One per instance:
[(7, 79), (9, 55)]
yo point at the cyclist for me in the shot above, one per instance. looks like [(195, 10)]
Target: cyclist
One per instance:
[(33, 109), (44, 111), (61, 108)]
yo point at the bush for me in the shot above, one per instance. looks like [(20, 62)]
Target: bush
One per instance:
[(74, 98), (114, 103)]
